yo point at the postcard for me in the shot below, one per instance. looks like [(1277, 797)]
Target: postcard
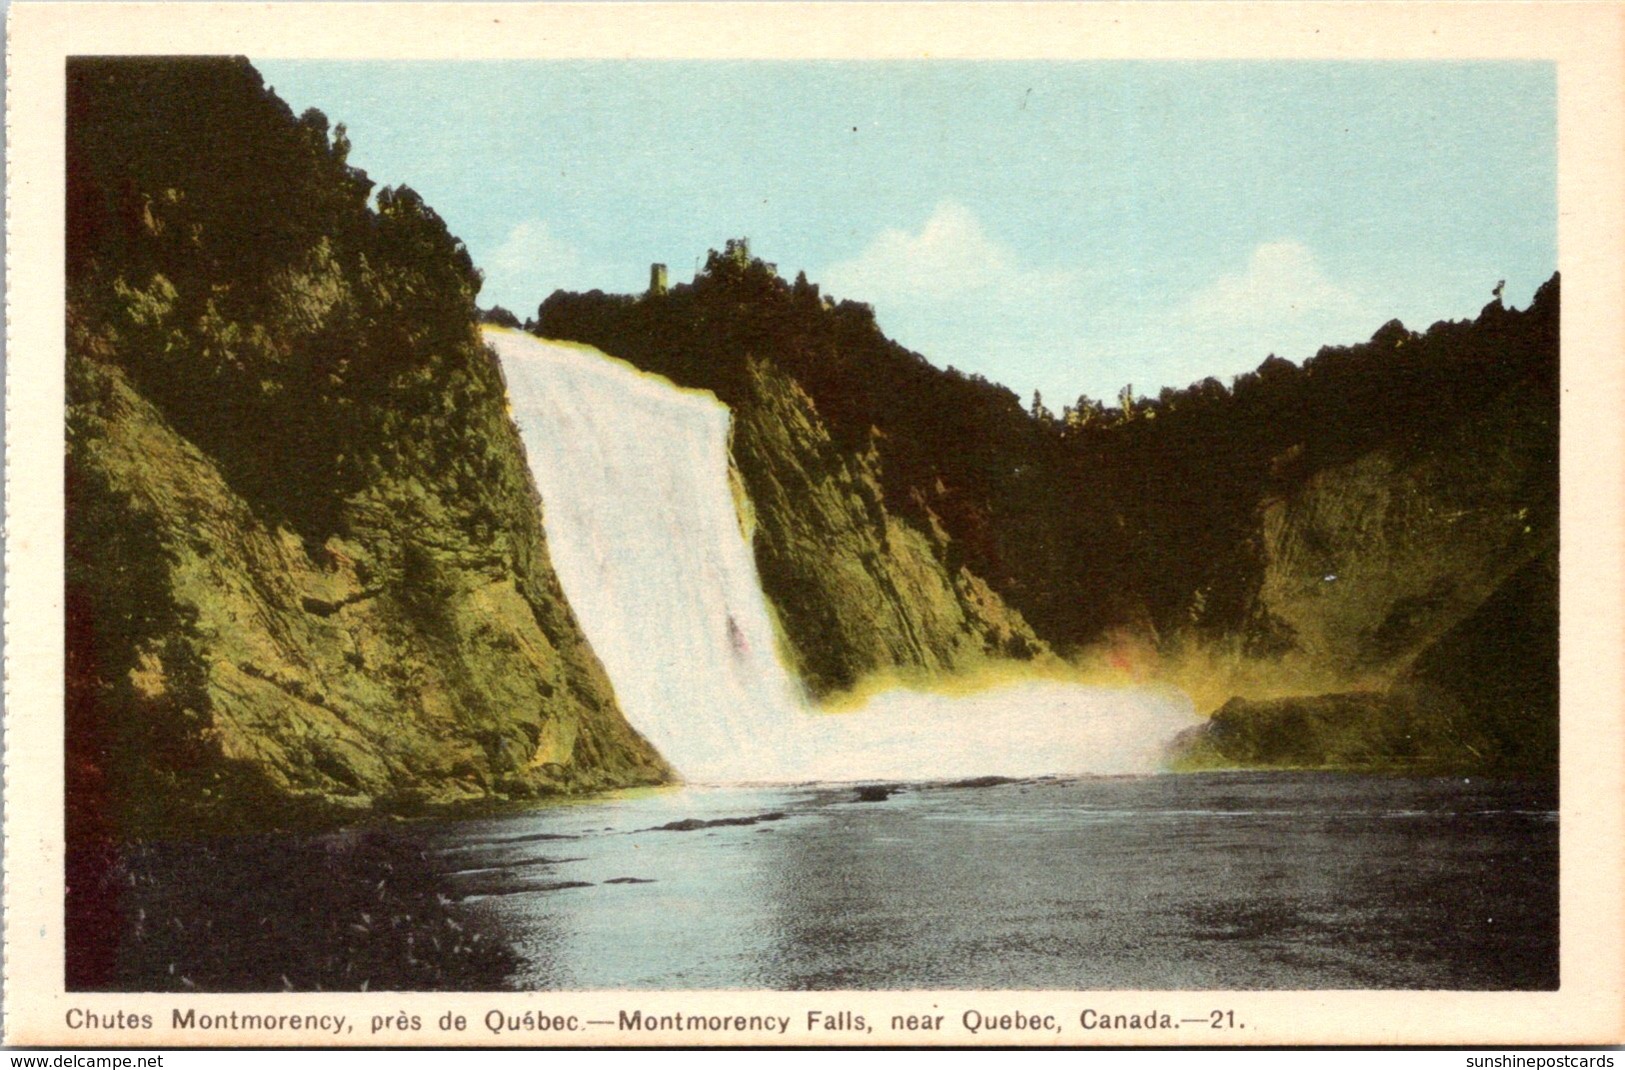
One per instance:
[(794, 524)]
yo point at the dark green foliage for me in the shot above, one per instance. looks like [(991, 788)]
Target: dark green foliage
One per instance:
[(226, 251), (1195, 520), (497, 316)]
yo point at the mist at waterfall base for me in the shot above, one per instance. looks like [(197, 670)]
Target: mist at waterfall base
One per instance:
[(644, 529)]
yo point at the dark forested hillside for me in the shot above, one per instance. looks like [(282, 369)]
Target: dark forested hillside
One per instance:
[(1328, 520), (233, 247), (1191, 470), (306, 573)]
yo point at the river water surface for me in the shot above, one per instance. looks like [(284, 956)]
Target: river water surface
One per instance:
[(1286, 881)]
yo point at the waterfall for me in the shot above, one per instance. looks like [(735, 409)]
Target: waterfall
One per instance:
[(645, 536)]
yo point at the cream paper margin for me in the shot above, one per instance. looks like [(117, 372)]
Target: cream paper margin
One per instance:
[(1587, 41)]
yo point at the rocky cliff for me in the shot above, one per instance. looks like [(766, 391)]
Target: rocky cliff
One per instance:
[(858, 589), (306, 574), (1413, 588), (1368, 562)]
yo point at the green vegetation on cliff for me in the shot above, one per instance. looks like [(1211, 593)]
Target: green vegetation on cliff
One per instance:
[(1481, 698), (306, 572)]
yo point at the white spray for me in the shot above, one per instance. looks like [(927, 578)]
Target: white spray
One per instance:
[(645, 536)]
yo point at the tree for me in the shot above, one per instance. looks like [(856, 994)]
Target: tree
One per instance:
[(498, 316), (1126, 402), (806, 292), (1086, 413)]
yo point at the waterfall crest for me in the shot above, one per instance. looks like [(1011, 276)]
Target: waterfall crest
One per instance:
[(645, 537)]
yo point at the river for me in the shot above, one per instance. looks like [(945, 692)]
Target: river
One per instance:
[(1201, 881)]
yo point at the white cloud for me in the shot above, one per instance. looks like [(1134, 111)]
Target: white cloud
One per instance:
[(956, 293), (1281, 301), (530, 263), (949, 257), (1281, 287)]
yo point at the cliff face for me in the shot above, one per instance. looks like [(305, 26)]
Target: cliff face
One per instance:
[(1370, 562), (229, 672), (1417, 582), (858, 589), (1481, 698), (306, 570)]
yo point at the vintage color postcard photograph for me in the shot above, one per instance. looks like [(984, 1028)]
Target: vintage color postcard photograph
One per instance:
[(814, 525)]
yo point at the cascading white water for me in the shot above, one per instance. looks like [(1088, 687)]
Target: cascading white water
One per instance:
[(646, 539)]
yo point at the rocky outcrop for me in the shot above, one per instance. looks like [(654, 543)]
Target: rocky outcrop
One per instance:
[(1356, 730), (1370, 562), (1481, 698), (858, 590)]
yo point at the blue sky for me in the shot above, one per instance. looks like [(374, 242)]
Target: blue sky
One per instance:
[(1066, 226)]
